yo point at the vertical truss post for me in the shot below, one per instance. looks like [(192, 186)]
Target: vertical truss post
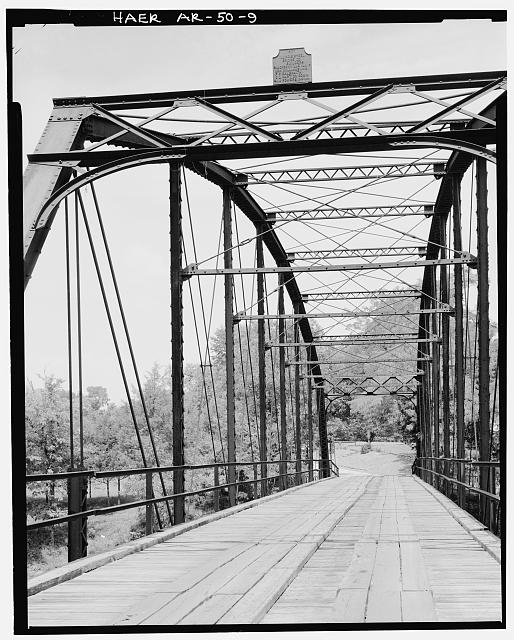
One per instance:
[(435, 378), (501, 270), (427, 395), (445, 337), (79, 331), (261, 354), (483, 327), (419, 452), (282, 381), (322, 427), (77, 529), (229, 342), (309, 417), (298, 431), (424, 390), (177, 340), (459, 336), (428, 380)]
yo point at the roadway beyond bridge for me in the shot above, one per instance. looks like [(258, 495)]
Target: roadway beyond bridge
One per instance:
[(362, 548)]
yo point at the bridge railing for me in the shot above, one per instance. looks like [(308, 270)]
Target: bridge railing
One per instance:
[(459, 478), (306, 470)]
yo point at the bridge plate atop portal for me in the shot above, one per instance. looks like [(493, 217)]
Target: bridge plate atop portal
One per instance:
[(292, 66)]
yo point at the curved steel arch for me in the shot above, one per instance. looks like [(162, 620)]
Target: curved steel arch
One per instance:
[(215, 173), (458, 163)]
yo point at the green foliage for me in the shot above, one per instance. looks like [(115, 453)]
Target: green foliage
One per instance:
[(46, 427)]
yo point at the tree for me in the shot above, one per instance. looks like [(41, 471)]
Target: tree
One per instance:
[(47, 425)]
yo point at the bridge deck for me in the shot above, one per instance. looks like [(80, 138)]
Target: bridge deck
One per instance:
[(359, 548)]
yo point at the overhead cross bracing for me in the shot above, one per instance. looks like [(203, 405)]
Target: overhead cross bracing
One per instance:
[(306, 192), (359, 295), (336, 213), (433, 168)]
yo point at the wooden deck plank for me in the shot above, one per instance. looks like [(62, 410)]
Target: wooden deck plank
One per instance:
[(330, 552)]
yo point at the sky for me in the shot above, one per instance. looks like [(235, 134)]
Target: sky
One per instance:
[(60, 60)]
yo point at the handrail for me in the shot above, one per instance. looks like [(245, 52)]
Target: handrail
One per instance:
[(482, 492), (41, 477), (148, 471), (489, 505), (147, 501), (478, 463)]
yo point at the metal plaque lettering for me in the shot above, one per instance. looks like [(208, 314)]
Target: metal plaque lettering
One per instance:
[(292, 66)]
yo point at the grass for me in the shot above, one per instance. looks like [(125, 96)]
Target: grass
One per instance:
[(47, 549)]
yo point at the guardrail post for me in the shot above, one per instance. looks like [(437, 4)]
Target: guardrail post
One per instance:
[(492, 503), (255, 483), (77, 528), (149, 507), (216, 491)]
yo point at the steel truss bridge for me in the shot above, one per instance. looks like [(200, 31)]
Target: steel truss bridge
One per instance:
[(351, 261)]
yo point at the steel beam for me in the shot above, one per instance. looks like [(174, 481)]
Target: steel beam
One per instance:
[(370, 393), (177, 340), (350, 343), (459, 338), (365, 336), (336, 131), (322, 427), (282, 381), (301, 363), (361, 295), (193, 270), (436, 387), (310, 431), (445, 337), (343, 252), (359, 172), (339, 314), (373, 380), (448, 82), (336, 213), (298, 432), (483, 330), (472, 141), (63, 132), (261, 354), (229, 343)]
